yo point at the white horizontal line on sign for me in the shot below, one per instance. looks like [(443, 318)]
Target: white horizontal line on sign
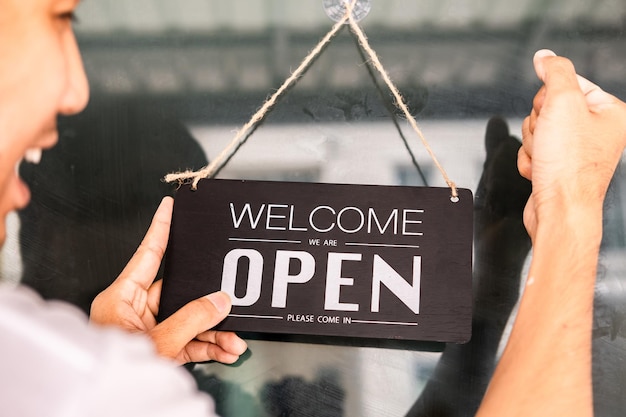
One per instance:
[(384, 245), (397, 323), (242, 239), (252, 316)]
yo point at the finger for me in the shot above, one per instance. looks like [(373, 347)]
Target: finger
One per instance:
[(229, 341), (146, 261), (532, 121), (154, 296), (530, 221), (595, 96), (197, 351), (225, 347), (524, 165), (195, 317), (524, 154), (587, 87), (527, 135), (538, 101)]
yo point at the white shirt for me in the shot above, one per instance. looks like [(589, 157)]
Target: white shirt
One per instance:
[(52, 363)]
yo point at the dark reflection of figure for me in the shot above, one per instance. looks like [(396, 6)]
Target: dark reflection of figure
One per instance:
[(462, 374), (609, 356), (94, 194), (294, 397), (609, 326)]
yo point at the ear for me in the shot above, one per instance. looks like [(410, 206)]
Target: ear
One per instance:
[(497, 133)]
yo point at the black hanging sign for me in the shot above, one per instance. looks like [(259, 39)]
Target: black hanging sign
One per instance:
[(325, 259)]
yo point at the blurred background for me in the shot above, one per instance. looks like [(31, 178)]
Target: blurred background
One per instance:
[(171, 82)]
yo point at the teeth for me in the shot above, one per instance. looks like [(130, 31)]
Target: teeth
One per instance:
[(33, 155)]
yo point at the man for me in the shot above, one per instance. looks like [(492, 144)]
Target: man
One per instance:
[(48, 350), (572, 142)]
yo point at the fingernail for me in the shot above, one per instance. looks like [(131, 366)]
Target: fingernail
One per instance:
[(220, 300), (242, 346), (165, 201)]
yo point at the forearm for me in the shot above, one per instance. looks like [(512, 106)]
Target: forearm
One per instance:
[(547, 363)]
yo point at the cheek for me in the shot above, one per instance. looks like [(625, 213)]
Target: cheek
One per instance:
[(35, 103), (50, 79)]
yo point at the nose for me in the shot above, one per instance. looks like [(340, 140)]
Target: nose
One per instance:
[(76, 93)]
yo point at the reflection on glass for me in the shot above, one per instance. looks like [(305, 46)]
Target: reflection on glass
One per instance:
[(171, 83)]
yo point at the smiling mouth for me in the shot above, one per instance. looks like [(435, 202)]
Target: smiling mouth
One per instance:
[(32, 156)]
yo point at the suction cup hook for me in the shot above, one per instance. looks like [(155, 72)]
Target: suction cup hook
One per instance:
[(336, 9)]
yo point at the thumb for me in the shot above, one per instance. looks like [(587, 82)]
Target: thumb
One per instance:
[(538, 62), (145, 263), (174, 333), (558, 73)]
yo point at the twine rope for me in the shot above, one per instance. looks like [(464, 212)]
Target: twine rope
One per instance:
[(391, 107), (240, 137), (195, 176), (400, 103)]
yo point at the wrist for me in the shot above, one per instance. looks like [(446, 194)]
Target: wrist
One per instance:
[(570, 220), (566, 249)]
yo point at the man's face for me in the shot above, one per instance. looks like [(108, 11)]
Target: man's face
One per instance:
[(41, 76)]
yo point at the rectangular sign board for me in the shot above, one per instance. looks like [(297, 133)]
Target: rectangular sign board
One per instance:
[(386, 262)]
